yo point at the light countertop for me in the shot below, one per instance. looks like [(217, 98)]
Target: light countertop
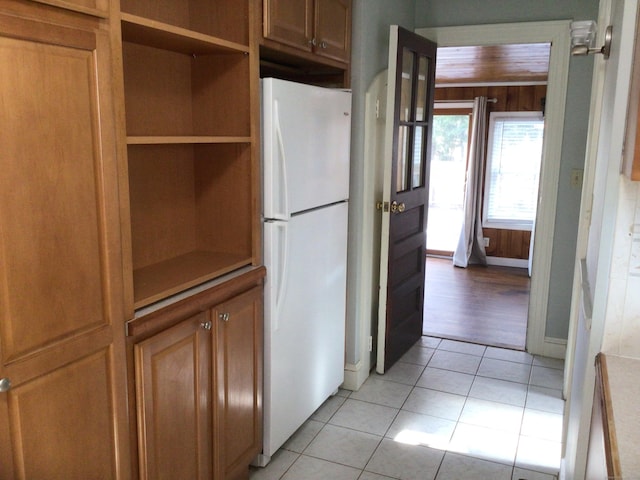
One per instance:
[(623, 377)]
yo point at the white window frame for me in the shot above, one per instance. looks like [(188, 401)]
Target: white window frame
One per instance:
[(504, 224)]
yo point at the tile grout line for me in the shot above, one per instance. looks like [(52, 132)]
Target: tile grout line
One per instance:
[(413, 386)]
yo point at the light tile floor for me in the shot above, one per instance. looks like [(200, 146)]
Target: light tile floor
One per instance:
[(447, 410)]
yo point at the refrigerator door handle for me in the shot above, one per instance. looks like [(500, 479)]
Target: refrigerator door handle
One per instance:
[(282, 244), (284, 191)]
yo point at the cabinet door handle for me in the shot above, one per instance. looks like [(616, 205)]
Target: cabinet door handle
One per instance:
[(323, 44), (5, 385), (206, 325), (224, 317), (312, 42)]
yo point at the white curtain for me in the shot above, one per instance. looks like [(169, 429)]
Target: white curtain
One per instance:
[(470, 247)]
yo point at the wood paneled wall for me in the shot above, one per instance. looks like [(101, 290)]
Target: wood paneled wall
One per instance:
[(503, 243), (510, 99)]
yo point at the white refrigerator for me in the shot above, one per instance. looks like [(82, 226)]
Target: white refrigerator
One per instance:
[(305, 168)]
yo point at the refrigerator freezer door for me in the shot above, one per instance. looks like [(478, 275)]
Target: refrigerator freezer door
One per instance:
[(304, 318), (306, 138)]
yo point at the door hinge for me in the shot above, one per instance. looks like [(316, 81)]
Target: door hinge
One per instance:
[(370, 343), (384, 206), (377, 108)]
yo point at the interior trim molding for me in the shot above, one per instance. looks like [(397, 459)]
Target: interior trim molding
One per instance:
[(554, 347), (354, 376), (557, 33), (508, 262)]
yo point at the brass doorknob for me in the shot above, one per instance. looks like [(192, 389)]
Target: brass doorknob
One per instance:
[(397, 207)]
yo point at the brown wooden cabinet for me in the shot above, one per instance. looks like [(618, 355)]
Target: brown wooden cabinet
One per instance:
[(312, 36), (322, 27), (129, 175), (189, 78), (63, 399), (198, 383)]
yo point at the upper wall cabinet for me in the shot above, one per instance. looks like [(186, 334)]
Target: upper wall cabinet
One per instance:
[(313, 36), (190, 96), (332, 29), (322, 27), (289, 22)]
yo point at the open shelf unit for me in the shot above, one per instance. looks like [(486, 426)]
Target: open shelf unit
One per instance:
[(187, 87)]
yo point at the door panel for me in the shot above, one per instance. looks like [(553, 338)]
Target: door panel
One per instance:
[(407, 150), (173, 382), (409, 260), (289, 22), (332, 26), (238, 334), (306, 136), (74, 400), (300, 323), (410, 223), (53, 248)]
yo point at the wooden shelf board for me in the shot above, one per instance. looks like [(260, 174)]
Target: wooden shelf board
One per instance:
[(168, 37), (77, 8), (159, 281), (165, 140)]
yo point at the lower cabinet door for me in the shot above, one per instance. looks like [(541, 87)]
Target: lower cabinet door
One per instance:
[(173, 389), (60, 425), (238, 369)]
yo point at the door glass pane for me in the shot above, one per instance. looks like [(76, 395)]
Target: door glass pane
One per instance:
[(421, 97), (406, 85), (402, 160), (417, 177)]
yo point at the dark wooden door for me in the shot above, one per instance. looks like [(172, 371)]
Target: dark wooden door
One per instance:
[(410, 113)]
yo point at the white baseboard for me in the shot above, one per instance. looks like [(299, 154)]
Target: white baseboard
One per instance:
[(354, 376), (508, 262), (554, 347)]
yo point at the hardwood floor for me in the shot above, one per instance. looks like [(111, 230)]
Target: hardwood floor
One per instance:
[(485, 305)]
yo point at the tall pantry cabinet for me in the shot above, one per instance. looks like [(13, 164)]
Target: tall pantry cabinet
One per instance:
[(62, 394)]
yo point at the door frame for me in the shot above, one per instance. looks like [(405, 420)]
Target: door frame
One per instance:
[(592, 307), (556, 33), (364, 274)]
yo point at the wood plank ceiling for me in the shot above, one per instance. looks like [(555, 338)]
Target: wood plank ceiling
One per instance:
[(494, 64)]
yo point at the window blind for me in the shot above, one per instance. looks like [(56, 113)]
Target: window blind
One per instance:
[(513, 169)]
